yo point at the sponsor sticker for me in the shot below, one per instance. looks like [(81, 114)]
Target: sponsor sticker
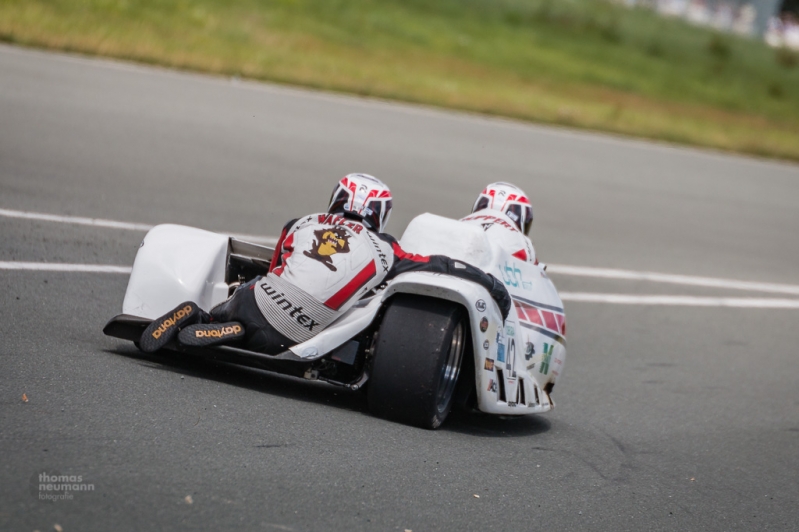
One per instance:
[(544, 369), (529, 351), (500, 349), (483, 324), (500, 352), (492, 386), (489, 365), (480, 305), (512, 276), (510, 331), (485, 345)]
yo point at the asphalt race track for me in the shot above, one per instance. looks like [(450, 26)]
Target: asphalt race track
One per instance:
[(669, 416)]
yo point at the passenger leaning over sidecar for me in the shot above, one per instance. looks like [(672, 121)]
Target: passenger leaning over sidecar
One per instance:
[(323, 264), (504, 212)]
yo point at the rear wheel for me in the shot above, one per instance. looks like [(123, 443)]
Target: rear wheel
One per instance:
[(417, 360)]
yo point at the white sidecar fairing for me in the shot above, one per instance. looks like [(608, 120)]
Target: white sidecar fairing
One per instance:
[(174, 264), (516, 365)]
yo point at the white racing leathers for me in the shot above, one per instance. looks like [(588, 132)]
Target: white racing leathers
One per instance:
[(501, 229), (324, 263)]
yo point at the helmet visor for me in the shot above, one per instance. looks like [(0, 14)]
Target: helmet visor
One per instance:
[(376, 214), (339, 200), (522, 215), (482, 203), (528, 222)]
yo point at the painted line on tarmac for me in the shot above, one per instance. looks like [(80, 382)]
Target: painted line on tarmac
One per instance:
[(606, 273), (64, 267), (557, 269), (112, 224), (79, 220), (587, 297), (681, 301)]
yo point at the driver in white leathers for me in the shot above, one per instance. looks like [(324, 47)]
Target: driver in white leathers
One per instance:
[(503, 211), (323, 264)]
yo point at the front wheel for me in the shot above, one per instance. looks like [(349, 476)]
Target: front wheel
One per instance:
[(417, 360)]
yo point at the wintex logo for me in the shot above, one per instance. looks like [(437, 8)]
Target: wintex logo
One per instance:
[(53, 486), (284, 304)]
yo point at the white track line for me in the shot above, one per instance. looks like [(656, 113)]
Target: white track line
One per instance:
[(64, 267), (557, 269), (618, 299), (79, 220), (113, 224), (685, 301), (590, 297), (606, 273)]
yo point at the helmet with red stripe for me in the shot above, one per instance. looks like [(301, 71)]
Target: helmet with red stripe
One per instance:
[(364, 197), (509, 200)]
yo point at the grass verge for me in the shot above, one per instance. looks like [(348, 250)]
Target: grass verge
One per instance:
[(580, 63)]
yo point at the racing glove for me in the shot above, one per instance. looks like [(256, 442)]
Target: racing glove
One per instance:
[(500, 294), (408, 262), (495, 287)]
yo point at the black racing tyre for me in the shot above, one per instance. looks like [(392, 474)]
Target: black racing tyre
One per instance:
[(417, 360)]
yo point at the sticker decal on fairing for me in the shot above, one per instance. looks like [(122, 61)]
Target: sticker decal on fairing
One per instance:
[(544, 369), (512, 276), (529, 351)]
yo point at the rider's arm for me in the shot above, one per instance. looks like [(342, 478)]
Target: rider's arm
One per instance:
[(527, 253), (284, 248), (409, 262)]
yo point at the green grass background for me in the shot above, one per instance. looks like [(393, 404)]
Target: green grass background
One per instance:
[(582, 63)]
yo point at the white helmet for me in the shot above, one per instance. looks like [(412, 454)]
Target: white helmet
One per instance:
[(364, 196), (508, 199)]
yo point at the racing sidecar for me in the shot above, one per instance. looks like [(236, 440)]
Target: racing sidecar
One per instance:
[(418, 344)]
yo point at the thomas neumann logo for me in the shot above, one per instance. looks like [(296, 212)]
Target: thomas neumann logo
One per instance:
[(58, 487), (170, 322)]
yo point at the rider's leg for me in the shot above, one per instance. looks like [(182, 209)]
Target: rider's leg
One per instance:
[(241, 308)]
